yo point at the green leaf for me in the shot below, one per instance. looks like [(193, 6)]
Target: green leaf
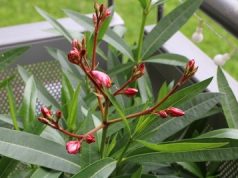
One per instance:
[(110, 37), (42, 93), (7, 165), (33, 149), (185, 94), (221, 133), (191, 167), (55, 24), (228, 102), (169, 59), (137, 174), (7, 119), (217, 154), (168, 26), (3, 83), (180, 147), (143, 3), (43, 173), (120, 111), (12, 106), (73, 109), (196, 109), (9, 56), (99, 169), (120, 68), (29, 104)]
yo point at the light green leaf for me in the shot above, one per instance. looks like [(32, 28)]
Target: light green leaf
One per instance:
[(42, 93), (33, 149), (7, 119), (120, 111), (180, 147), (29, 104), (99, 169), (55, 24), (9, 56), (228, 102), (43, 173), (168, 26), (73, 109), (185, 94), (169, 59), (12, 106), (110, 37), (221, 133)]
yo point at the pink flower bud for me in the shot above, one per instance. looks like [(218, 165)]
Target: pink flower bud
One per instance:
[(46, 112), (74, 56), (90, 139), (73, 147), (162, 114), (101, 78), (190, 68), (174, 112), (76, 44), (58, 114), (130, 91), (107, 12), (141, 68)]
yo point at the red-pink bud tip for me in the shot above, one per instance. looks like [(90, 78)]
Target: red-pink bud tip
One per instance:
[(174, 112), (130, 91), (90, 139), (46, 112), (74, 56), (101, 78), (58, 114), (162, 114), (73, 147), (108, 12)]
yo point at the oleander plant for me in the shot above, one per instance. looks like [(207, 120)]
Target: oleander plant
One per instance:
[(110, 122)]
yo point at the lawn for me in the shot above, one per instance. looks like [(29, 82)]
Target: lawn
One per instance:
[(130, 12)]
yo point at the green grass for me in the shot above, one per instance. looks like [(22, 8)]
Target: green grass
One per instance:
[(130, 12)]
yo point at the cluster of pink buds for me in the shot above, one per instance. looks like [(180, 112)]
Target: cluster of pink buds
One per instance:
[(74, 146), (190, 69), (138, 71), (171, 111), (101, 13), (78, 51)]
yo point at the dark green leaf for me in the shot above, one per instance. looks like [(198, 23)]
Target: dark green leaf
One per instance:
[(168, 26), (7, 166), (33, 149), (192, 167), (228, 102), (169, 59), (99, 169)]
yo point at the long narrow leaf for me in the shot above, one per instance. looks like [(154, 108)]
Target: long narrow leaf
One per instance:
[(168, 26), (9, 56), (33, 149), (55, 23), (102, 168), (43, 173), (228, 102)]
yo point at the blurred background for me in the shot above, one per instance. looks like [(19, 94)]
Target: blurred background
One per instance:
[(216, 39)]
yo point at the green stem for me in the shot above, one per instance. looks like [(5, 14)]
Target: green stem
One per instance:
[(141, 35)]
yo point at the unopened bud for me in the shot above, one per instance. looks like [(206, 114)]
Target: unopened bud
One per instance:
[(174, 112), (58, 114), (46, 112), (101, 78), (94, 19), (76, 44), (162, 114), (190, 69), (96, 8), (107, 12), (138, 71), (101, 8), (73, 147), (90, 139), (130, 91), (74, 56)]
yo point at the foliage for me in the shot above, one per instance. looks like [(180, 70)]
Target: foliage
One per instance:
[(115, 108)]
